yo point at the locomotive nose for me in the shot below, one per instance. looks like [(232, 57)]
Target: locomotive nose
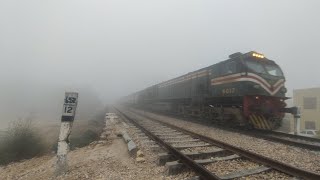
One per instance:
[(265, 106), (262, 109)]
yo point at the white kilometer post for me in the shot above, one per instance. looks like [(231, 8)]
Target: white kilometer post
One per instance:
[(68, 113)]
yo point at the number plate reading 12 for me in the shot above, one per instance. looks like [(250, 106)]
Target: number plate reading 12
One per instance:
[(70, 104)]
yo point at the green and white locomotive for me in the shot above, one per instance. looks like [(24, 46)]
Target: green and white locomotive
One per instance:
[(246, 90)]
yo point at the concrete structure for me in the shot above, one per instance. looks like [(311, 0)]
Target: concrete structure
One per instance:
[(68, 114), (308, 101), (287, 123)]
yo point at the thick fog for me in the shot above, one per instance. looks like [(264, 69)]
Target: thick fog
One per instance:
[(115, 47)]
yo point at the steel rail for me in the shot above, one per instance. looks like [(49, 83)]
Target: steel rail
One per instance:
[(270, 135), (203, 172), (291, 142), (288, 169), (292, 136)]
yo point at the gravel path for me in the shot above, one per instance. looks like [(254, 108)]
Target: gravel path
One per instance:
[(297, 157)]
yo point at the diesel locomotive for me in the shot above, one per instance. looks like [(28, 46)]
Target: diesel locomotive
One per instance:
[(245, 90)]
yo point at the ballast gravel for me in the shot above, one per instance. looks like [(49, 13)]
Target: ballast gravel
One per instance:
[(298, 157)]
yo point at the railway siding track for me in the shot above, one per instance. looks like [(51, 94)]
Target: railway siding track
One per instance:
[(290, 139), (179, 156)]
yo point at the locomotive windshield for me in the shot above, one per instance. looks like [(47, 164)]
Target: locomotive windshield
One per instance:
[(262, 68), (273, 70)]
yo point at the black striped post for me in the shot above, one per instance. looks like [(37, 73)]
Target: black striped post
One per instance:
[(68, 114)]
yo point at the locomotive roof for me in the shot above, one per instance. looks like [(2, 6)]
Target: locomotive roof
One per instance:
[(232, 56)]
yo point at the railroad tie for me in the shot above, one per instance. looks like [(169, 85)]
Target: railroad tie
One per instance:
[(176, 167), (191, 146), (163, 158), (184, 141), (245, 172)]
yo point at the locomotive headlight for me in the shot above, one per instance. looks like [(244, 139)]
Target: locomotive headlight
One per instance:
[(257, 55), (284, 90)]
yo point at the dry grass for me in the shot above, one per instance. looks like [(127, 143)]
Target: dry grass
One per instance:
[(21, 141), (25, 140)]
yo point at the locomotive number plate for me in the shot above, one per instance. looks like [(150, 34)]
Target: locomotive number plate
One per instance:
[(228, 90)]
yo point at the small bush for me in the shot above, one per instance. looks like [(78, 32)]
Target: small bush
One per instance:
[(86, 138), (20, 142)]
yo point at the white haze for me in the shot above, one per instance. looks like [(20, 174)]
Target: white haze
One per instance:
[(116, 47)]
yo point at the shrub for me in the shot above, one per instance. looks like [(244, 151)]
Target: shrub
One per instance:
[(20, 142), (86, 138)]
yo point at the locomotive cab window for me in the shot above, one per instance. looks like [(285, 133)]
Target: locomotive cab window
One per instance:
[(256, 67), (229, 68), (273, 70), (264, 68)]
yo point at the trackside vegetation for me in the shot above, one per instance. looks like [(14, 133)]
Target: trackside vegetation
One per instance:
[(20, 141)]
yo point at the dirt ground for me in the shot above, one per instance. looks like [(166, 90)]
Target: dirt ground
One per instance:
[(100, 160)]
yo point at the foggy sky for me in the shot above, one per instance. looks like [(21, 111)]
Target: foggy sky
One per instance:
[(117, 47)]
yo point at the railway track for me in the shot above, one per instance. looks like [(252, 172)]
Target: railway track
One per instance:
[(290, 139), (184, 149), (284, 138)]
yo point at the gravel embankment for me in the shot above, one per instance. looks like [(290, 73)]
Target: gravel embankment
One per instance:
[(294, 156)]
